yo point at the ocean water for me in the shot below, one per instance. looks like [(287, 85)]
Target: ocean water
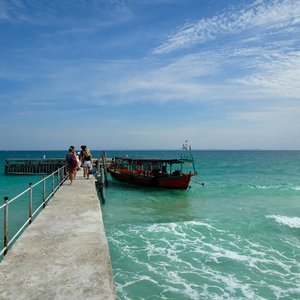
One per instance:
[(238, 237)]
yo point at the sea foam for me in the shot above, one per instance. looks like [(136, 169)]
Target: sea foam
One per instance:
[(293, 222)]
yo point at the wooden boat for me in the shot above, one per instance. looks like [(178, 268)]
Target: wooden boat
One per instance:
[(152, 172)]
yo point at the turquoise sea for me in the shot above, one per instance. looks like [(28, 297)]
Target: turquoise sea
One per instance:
[(238, 237)]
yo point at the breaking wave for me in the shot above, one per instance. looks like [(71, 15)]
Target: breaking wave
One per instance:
[(201, 260), (280, 187), (292, 222)]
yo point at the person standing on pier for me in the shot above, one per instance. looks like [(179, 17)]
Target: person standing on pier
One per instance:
[(71, 163), (86, 160)]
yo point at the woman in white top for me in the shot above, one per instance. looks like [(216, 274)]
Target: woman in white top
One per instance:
[(86, 161)]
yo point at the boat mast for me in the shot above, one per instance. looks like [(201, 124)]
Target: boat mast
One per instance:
[(187, 155)]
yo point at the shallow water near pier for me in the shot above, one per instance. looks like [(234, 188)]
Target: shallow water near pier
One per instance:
[(238, 237)]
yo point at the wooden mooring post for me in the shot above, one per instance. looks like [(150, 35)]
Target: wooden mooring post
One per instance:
[(102, 188), (101, 176), (100, 181), (104, 163)]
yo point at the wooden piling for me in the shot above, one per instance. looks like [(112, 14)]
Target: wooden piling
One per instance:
[(104, 163)]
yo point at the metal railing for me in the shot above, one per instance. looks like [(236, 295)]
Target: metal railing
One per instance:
[(61, 175)]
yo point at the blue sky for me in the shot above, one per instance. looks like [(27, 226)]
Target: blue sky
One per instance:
[(149, 74)]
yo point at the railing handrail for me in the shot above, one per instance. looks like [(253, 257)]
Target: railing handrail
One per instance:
[(60, 180)]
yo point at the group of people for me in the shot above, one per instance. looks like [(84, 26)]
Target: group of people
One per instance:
[(76, 160)]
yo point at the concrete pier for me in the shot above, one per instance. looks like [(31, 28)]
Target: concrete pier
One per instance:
[(64, 253)]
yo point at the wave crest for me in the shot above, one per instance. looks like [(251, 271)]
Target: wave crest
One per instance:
[(293, 222)]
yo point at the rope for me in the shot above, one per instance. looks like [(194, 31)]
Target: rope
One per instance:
[(201, 183)]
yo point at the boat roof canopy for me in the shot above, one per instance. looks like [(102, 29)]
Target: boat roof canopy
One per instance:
[(152, 160)]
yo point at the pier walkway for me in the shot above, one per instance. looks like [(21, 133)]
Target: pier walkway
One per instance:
[(64, 253)]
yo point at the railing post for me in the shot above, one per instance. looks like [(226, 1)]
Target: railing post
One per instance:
[(30, 203), (58, 177), (5, 225), (61, 172), (52, 182), (44, 192)]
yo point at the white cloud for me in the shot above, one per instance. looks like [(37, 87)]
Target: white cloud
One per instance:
[(93, 14), (275, 14), (276, 75), (18, 11)]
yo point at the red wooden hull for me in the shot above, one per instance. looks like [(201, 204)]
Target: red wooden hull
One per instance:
[(180, 181)]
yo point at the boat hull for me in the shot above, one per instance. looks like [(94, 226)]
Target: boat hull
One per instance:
[(170, 182)]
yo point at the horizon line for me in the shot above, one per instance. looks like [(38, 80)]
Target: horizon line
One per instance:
[(156, 149)]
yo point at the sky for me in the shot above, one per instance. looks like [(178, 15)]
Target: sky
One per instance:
[(149, 74)]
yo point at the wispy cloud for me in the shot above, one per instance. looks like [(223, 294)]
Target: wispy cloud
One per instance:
[(274, 74), (275, 14), (18, 11), (90, 13), (238, 71)]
